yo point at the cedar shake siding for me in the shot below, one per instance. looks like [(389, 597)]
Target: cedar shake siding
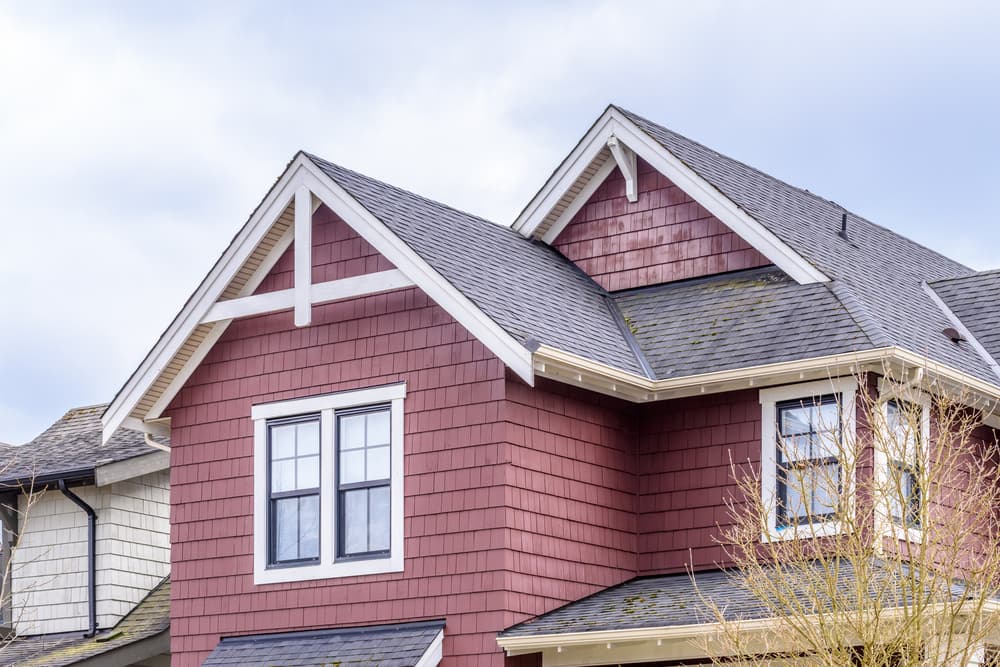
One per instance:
[(686, 476), (572, 486), (456, 565), (664, 236)]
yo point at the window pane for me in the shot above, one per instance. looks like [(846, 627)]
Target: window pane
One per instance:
[(795, 448), (309, 527), (352, 466), (794, 508), (824, 482), (355, 518), (352, 431), (378, 463), (826, 417), (794, 420), (286, 528), (308, 438), (282, 441), (308, 471), (378, 428), (283, 476), (378, 519)]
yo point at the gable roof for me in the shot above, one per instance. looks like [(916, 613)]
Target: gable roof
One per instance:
[(71, 447), (143, 633), (884, 270), (522, 299)]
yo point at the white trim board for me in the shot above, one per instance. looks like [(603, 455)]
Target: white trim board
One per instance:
[(615, 125), (302, 173)]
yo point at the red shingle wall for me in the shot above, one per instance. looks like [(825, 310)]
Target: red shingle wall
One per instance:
[(455, 513), (685, 476), (572, 494), (664, 236)]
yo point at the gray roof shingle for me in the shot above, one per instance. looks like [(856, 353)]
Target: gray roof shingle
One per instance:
[(525, 286), (149, 618), (71, 445), (679, 599), (975, 299), (884, 270), (737, 320), (399, 645)]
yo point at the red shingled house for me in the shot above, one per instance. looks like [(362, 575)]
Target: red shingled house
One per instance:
[(399, 430)]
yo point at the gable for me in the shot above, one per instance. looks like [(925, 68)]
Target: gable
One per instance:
[(616, 140), (665, 235)]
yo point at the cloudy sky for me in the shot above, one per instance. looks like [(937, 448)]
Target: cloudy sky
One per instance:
[(135, 139)]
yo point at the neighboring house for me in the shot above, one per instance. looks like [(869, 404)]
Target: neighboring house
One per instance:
[(90, 548), (405, 433)]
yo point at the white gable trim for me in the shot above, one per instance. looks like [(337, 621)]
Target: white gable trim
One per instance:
[(302, 172), (614, 124)]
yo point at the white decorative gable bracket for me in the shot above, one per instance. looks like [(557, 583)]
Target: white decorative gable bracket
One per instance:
[(305, 187), (625, 158)]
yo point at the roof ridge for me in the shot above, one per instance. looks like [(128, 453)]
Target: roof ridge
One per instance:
[(783, 183)]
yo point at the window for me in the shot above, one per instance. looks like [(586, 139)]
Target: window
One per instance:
[(806, 430), (328, 485), (807, 458), (903, 463), (901, 453)]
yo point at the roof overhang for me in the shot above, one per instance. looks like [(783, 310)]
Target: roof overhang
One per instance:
[(569, 368), (246, 262), (597, 154), (681, 642)]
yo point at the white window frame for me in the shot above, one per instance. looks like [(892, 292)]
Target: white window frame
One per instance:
[(326, 405), (888, 392), (846, 388)]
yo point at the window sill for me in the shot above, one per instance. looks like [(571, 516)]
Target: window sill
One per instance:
[(351, 568), (803, 532)]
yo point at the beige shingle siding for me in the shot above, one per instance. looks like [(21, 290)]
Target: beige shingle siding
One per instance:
[(50, 564)]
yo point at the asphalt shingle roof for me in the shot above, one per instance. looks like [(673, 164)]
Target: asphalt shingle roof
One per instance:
[(149, 618), (372, 646), (975, 299), (737, 320), (525, 286), (875, 297), (677, 599), (72, 444)]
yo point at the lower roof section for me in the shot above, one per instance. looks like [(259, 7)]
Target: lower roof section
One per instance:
[(399, 645)]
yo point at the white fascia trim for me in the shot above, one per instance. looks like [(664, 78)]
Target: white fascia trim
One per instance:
[(962, 329), (846, 387), (403, 257), (432, 656), (138, 466), (303, 172), (328, 566), (615, 124), (206, 294)]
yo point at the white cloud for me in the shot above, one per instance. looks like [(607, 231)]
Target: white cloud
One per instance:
[(133, 145)]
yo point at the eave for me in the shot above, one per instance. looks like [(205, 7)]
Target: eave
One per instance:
[(569, 368)]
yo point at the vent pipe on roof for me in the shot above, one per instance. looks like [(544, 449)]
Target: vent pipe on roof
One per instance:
[(843, 226)]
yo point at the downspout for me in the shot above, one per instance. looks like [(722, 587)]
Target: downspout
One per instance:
[(91, 555)]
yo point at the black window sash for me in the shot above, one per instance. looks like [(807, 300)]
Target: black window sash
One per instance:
[(272, 497), (782, 467), (341, 489)]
